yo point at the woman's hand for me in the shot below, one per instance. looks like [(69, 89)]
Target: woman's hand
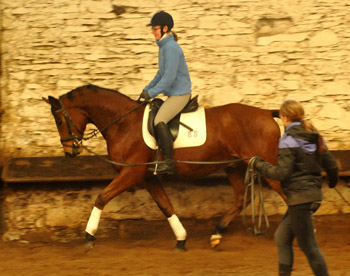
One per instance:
[(144, 95)]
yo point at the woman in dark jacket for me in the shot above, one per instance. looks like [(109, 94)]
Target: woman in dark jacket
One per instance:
[(302, 154)]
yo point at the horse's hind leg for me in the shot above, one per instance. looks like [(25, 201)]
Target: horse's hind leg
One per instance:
[(236, 178), (156, 190)]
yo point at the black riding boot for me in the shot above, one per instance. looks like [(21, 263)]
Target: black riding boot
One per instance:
[(284, 270), (165, 142)]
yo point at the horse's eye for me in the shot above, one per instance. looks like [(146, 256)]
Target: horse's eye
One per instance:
[(58, 121)]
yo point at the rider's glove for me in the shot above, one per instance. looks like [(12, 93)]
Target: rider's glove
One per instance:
[(144, 95)]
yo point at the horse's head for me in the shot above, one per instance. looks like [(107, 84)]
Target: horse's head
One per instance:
[(70, 125)]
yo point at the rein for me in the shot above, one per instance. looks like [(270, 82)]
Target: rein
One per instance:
[(249, 181), (340, 194), (93, 132), (121, 117)]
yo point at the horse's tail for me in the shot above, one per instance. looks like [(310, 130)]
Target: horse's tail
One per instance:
[(275, 113)]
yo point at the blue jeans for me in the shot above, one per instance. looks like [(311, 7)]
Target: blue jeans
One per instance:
[(298, 223)]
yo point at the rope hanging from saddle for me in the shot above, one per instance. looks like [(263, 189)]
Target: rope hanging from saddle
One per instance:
[(252, 177)]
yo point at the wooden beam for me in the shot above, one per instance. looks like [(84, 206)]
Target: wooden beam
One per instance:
[(93, 168)]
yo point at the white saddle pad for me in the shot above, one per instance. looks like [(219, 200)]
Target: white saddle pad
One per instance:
[(185, 138)]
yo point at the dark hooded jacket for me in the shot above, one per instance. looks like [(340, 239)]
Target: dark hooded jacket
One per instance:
[(299, 166)]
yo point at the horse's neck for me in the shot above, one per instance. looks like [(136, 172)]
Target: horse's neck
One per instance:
[(104, 108)]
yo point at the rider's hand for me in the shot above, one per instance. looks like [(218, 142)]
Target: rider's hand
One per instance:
[(144, 95)]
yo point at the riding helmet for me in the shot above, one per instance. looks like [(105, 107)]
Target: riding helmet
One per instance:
[(162, 18)]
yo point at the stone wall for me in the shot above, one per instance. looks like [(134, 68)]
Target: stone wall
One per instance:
[(248, 51), (62, 212)]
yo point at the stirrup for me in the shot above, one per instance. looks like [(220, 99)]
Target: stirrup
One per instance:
[(165, 168)]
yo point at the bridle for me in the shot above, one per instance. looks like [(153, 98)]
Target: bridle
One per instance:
[(72, 128)]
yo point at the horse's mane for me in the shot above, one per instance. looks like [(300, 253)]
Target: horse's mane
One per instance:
[(91, 87)]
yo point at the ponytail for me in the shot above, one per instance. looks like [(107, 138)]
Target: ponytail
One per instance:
[(308, 126), (175, 36)]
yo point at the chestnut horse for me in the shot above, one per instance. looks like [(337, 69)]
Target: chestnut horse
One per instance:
[(234, 131)]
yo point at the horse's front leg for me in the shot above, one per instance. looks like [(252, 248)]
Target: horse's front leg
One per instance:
[(123, 181), (156, 190)]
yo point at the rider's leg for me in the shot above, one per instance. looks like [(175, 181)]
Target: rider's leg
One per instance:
[(165, 142), (169, 109)]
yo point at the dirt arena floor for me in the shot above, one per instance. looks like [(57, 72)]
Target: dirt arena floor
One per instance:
[(146, 248)]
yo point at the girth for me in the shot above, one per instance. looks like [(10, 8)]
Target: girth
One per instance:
[(174, 123)]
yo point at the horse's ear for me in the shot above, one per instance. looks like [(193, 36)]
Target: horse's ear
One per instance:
[(55, 103), (46, 100)]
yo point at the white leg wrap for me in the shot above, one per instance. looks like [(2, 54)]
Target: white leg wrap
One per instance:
[(178, 229), (94, 219)]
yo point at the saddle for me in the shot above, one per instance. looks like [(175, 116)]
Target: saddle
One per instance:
[(174, 123)]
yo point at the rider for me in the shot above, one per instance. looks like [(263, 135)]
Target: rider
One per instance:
[(172, 80)]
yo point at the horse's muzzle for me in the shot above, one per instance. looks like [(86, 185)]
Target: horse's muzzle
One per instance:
[(68, 154), (75, 151), (72, 149)]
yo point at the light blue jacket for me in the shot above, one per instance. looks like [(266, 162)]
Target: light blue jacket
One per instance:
[(172, 78)]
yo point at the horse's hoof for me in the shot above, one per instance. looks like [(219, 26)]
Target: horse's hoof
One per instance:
[(180, 246), (215, 240), (89, 242), (89, 246), (180, 249)]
